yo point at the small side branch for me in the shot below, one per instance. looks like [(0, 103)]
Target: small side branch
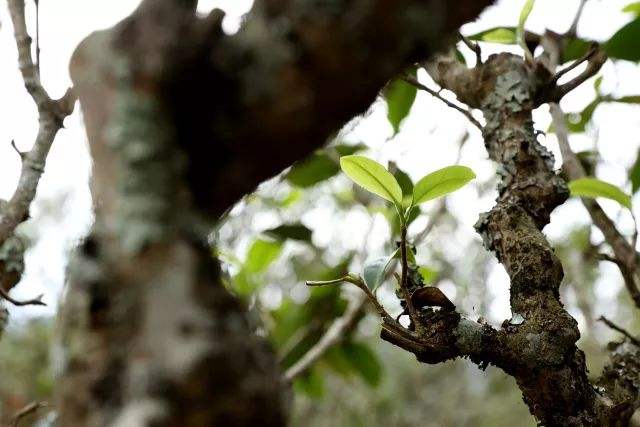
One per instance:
[(624, 253), (595, 59), (575, 63), (35, 301), (334, 335), (412, 81), (26, 411), (51, 115), (404, 288), (360, 284), (475, 47), (573, 29), (623, 331)]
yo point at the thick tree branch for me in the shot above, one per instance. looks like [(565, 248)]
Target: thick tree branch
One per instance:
[(551, 372), (294, 85)]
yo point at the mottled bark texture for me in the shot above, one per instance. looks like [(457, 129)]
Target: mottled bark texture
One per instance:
[(183, 121), (538, 346)]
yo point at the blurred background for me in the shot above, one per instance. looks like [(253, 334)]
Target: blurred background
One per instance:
[(311, 223)]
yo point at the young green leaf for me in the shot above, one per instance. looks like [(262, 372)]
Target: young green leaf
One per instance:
[(632, 8), (348, 149), (524, 14), (441, 182), (428, 274), (503, 35), (261, 254), (399, 96), (372, 176), (374, 270), (593, 187), (314, 169)]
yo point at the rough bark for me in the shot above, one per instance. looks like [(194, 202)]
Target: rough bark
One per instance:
[(182, 122), (538, 346)]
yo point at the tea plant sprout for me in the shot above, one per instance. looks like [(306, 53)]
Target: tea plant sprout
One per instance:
[(373, 177)]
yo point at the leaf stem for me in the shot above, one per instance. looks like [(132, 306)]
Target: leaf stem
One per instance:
[(356, 280), (413, 314)]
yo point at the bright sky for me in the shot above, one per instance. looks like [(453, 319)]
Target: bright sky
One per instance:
[(426, 141)]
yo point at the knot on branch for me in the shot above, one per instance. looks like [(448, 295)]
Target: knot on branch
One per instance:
[(11, 261)]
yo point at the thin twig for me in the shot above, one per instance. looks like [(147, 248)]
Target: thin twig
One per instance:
[(595, 60), (624, 254), (35, 301), (296, 338), (26, 411), (412, 81), (404, 271), (624, 332), (360, 284), (573, 29), (609, 258), (333, 336), (37, 3), (20, 153), (575, 63), (475, 47)]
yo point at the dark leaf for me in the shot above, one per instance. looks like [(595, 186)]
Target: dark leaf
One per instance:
[(405, 182), (624, 43), (317, 168), (349, 149), (460, 57), (311, 384), (634, 174), (364, 361), (294, 231), (399, 96), (574, 49)]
